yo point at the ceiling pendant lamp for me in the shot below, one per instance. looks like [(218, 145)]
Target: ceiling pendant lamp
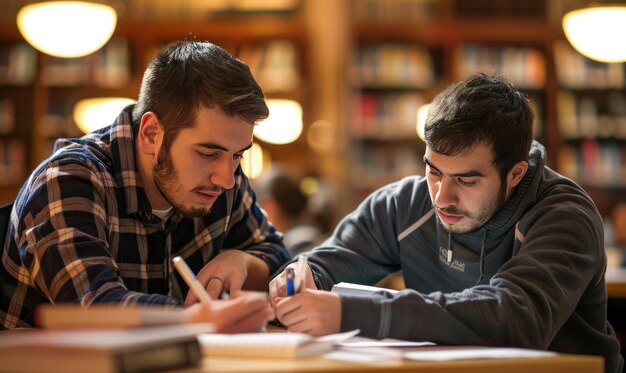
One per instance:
[(284, 124), (67, 29), (597, 32), (94, 113)]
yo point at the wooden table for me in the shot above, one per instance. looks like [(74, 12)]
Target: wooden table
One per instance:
[(554, 364)]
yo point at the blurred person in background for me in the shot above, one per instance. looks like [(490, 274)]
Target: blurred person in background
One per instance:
[(281, 195)]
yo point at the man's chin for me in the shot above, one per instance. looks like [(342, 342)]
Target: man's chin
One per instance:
[(195, 211), (458, 228)]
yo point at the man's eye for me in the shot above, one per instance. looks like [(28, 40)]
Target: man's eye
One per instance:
[(238, 156), (467, 182), (208, 155)]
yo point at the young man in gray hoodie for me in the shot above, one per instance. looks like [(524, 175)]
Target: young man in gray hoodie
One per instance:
[(495, 247)]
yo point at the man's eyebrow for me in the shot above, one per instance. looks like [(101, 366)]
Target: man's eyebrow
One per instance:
[(214, 146), (470, 173)]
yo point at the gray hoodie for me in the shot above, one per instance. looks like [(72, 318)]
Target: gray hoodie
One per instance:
[(532, 276)]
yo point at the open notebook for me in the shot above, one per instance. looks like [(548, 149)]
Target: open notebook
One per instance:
[(270, 345)]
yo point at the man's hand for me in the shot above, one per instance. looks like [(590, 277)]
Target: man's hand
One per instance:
[(314, 312), (248, 313), (229, 271), (278, 286)]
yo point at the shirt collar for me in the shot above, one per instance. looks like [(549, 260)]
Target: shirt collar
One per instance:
[(127, 176)]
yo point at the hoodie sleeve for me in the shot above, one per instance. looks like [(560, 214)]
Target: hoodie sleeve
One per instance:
[(363, 249)]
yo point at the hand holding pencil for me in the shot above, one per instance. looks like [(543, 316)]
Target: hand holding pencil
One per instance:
[(249, 312), (299, 306), (294, 279)]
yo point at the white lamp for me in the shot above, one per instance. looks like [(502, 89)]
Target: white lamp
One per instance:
[(422, 114), (598, 32), (94, 113), (255, 161), (284, 124), (67, 28)]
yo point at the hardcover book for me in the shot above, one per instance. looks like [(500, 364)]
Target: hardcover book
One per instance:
[(101, 351)]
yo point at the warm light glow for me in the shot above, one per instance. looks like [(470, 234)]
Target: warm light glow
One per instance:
[(321, 136), (67, 28), (94, 113), (254, 161), (597, 32), (422, 114), (309, 185), (284, 124)]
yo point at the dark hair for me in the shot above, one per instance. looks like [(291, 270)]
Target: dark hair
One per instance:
[(285, 190), (187, 74), (483, 109)]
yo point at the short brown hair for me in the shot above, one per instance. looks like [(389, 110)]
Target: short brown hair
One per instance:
[(483, 109), (185, 75)]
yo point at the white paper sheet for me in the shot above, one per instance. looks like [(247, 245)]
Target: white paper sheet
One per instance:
[(476, 353)]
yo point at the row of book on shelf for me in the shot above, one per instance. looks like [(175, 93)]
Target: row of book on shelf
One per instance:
[(275, 64), (386, 116), (108, 67), (407, 64), (583, 115), (523, 66), (594, 163), (18, 64), (393, 64), (575, 71), (12, 161), (410, 64)]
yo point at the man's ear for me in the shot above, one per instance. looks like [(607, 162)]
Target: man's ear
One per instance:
[(516, 174), (150, 134)]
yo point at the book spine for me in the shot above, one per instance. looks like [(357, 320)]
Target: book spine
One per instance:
[(170, 356)]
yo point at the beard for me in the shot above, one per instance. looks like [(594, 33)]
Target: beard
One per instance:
[(473, 221), (165, 177)]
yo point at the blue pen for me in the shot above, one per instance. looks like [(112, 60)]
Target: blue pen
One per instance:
[(290, 282)]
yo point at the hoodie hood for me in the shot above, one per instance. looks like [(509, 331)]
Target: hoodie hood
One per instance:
[(524, 196)]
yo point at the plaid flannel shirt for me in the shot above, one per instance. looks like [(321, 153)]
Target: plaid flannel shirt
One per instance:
[(82, 230)]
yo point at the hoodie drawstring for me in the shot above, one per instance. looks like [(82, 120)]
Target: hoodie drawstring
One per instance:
[(449, 252)]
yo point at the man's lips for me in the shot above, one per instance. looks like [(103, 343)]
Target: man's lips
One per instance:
[(207, 197), (448, 218)]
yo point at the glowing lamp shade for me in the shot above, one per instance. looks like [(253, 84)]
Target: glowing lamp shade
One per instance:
[(284, 124), (597, 32), (67, 28), (94, 113), (254, 161), (422, 114)]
